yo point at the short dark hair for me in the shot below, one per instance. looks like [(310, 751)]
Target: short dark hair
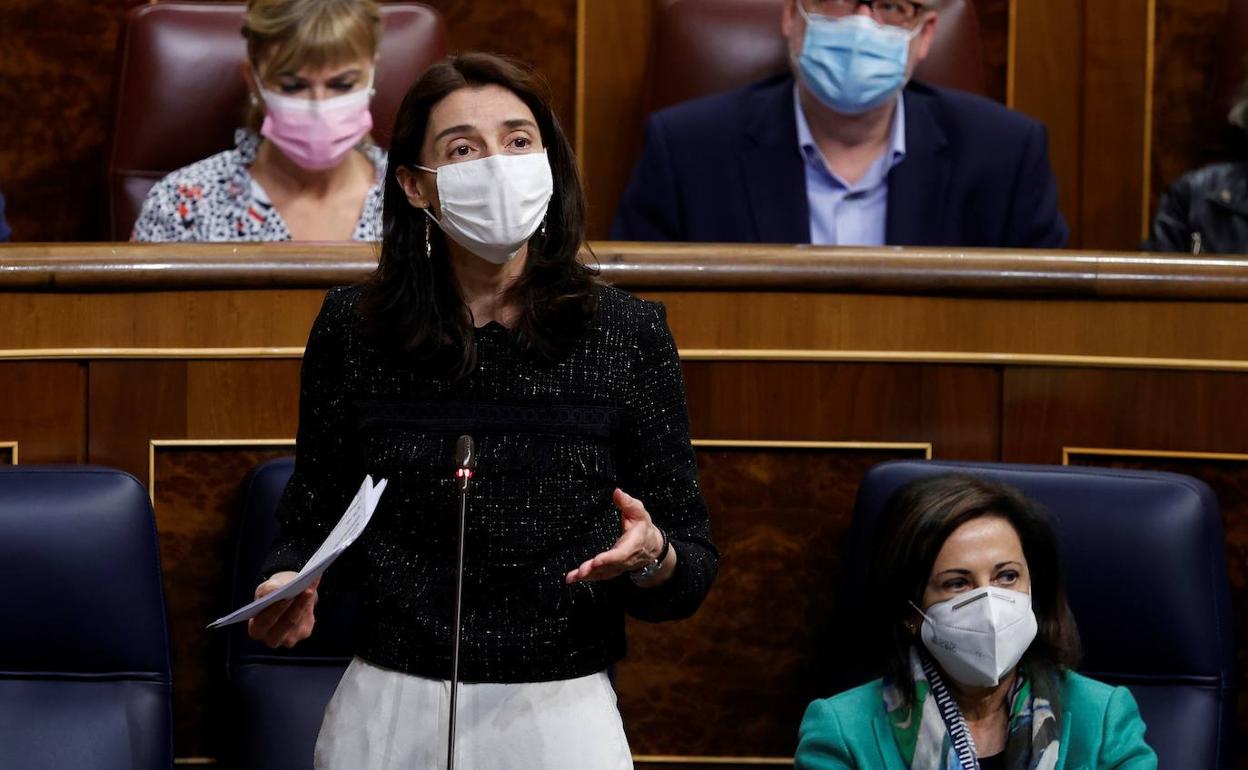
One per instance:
[(412, 302), (918, 519)]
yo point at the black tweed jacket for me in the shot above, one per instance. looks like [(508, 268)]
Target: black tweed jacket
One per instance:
[(554, 439)]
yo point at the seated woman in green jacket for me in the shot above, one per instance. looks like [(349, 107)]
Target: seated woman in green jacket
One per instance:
[(979, 649)]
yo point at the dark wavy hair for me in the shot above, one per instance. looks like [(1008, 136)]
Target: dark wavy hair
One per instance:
[(412, 302), (918, 519)]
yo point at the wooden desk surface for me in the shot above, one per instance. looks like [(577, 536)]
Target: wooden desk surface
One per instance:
[(651, 266), (224, 300)]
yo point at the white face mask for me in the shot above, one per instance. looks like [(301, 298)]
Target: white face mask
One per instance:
[(491, 206), (978, 636)]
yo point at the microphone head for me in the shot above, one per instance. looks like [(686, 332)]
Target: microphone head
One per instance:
[(465, 453)]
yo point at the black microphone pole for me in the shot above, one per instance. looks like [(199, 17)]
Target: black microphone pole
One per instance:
[(465, 463)]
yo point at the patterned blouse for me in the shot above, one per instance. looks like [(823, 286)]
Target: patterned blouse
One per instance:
[(216, 199)]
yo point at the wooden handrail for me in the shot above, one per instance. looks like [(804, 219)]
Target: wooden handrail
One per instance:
[(119, 267)]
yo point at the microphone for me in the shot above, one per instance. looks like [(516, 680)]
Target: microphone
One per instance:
[(465, 461), (465, 464)]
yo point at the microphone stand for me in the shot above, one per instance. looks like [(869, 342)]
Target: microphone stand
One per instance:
[(466, 461)]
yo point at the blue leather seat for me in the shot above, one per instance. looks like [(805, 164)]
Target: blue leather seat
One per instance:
[(84, 646), (278, 696), (1143, 554)]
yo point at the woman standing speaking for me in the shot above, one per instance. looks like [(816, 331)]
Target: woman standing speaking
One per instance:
[(480, 320)]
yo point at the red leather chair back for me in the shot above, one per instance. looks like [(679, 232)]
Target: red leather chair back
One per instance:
[(704, 46), (179, 94)]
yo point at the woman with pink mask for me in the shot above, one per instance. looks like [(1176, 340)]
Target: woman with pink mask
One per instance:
[(304, 167)]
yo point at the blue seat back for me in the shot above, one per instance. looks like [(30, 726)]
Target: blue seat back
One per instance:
[(1144, 560), (278, 697), (84, 645)]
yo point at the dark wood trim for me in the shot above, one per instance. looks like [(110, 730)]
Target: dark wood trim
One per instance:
[(91, 267)]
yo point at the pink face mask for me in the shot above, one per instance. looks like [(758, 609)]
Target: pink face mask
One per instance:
[(317, 134)]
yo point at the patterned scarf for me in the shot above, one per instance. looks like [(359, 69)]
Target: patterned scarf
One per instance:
[(932, 735)]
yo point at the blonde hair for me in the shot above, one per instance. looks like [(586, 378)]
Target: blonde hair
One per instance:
[(288, 35)]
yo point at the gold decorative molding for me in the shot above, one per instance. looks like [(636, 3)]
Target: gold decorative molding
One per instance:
[(953, 357), (919, 446), (578, 118), (1069, 452), (148, 353), (12, 446), (700, 354), (164, 443), (1011, 53), (1150, 79)]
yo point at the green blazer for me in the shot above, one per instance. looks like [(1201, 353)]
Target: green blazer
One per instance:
[(1101, 730)]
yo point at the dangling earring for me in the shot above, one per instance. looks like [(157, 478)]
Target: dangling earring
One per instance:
[(428, 236), (542, 231)]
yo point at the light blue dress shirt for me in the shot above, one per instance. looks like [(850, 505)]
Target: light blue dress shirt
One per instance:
[(842, 214)]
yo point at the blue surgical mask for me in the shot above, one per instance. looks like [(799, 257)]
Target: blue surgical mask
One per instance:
[(853, 64)]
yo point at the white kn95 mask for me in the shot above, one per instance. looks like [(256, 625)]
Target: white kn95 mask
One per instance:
[(979, 636)]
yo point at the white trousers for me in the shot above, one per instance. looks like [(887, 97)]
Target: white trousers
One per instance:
[(380, 719)]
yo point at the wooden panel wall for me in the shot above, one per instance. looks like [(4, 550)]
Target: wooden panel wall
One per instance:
[(781, 516), (43, 410), (196, 488), (1183, 422), (1189, 126), (1040, 67), (205, 418), (1129, 91), (56, 63), (788, 430), (1085, 70), (614, 41), (788, 443)]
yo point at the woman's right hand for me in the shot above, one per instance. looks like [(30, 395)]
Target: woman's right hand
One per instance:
[(287, 622)]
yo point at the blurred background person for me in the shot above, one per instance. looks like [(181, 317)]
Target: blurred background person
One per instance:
[(303, 167), (979, 648), (480, 319), (845, 149), (1206, 210)]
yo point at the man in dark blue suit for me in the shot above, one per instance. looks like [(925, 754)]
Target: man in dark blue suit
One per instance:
[(846, 151), (4, 226)]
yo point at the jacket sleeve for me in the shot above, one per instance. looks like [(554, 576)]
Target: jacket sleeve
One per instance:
[(657, 466), (322, 483), (1122, 744), (1035, 221), (5, 232), (650, 210), (821, 743), (1172, 231)]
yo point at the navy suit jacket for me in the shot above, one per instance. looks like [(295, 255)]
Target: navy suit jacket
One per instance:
[(726, 168), (4, 226)]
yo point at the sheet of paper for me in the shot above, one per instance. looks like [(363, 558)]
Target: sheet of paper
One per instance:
[(344, 533)]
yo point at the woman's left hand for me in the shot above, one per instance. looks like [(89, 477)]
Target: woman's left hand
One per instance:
[(637, 547)]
